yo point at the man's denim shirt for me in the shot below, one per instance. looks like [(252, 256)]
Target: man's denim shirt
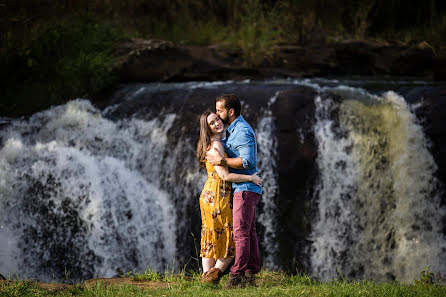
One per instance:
[(241, 142)]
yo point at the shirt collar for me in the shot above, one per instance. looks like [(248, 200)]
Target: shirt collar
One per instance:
[(232, 126)]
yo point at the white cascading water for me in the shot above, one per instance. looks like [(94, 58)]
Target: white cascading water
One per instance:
[(71, 177), (379, 212), (267, 155), (113, 191)]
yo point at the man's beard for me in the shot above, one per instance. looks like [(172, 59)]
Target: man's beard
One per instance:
[(225, 121)]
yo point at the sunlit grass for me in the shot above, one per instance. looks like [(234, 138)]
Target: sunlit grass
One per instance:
[(188, 284)]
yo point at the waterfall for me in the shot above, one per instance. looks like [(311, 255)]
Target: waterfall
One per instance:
[(379, 209), (76, 195), (99, 193), (93, 192), (267, 147)]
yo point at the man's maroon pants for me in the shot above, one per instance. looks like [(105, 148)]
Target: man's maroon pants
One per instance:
[(247, 256)]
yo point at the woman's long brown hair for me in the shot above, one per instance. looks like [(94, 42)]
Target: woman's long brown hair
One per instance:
[(204, 142)]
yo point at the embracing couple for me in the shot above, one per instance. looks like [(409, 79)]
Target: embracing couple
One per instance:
[(229, 197)]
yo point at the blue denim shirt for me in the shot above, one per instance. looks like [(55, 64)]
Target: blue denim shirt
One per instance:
[(241, 142)]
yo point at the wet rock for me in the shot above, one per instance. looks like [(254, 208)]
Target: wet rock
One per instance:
[(294, 111)]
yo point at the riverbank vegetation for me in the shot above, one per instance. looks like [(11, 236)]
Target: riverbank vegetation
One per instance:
[(268, 284), (54, 51)]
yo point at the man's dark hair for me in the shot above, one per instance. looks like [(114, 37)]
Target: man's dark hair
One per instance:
[(231, 101)]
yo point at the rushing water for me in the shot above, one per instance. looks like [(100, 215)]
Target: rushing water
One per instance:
[(75, 195), (267, 144), (93, 192), (379, 211)]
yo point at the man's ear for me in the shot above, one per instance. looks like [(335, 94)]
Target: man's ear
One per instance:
[(231, 112)]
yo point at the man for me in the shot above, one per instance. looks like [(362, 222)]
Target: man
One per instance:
[(241, 147)]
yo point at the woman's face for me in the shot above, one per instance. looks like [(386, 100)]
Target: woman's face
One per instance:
[(215, 124)]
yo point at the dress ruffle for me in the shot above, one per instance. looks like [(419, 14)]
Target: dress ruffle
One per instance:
[(217, 243)]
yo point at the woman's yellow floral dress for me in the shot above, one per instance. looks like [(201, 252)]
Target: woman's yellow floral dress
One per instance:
[(216, 217)]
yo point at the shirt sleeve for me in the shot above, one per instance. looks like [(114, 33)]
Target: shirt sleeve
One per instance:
[(246, 146)]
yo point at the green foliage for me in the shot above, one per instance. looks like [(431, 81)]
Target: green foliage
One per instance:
[(56, 51), (361, 18), (428, 277), (57, 61), (187, 30), (257, 32)]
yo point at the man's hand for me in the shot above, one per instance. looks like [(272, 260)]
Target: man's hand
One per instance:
[(213, 156)]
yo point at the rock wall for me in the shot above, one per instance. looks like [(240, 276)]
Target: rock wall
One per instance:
[(157, 60)]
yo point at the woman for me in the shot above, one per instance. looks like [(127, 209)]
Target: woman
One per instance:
[(217, 244)]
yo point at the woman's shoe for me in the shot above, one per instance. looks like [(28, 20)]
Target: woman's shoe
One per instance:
[(212, 276), (203, 276)]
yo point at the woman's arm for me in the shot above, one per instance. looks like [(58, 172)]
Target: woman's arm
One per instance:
[(224, 173)]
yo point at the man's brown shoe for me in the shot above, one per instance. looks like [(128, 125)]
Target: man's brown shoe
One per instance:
[(235, 281), (212, 276), (250, 279)]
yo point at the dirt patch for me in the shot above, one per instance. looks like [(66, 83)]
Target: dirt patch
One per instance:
[(127, 281), (53, 286), (95, 281)]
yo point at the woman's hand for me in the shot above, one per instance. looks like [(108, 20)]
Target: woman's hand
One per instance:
[(255, 178), (214, 157)]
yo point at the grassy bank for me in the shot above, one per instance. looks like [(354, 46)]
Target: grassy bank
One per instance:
[(268, 284)]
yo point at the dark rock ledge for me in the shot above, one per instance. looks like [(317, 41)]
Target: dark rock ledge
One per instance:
[(157, 60)]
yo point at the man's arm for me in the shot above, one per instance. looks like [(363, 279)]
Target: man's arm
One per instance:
[(236, 163), (216, 159), (246, 146)]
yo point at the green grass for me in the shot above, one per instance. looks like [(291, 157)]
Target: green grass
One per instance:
[(268, 284)]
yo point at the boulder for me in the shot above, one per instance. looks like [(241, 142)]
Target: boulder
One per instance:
[(158, 60)]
